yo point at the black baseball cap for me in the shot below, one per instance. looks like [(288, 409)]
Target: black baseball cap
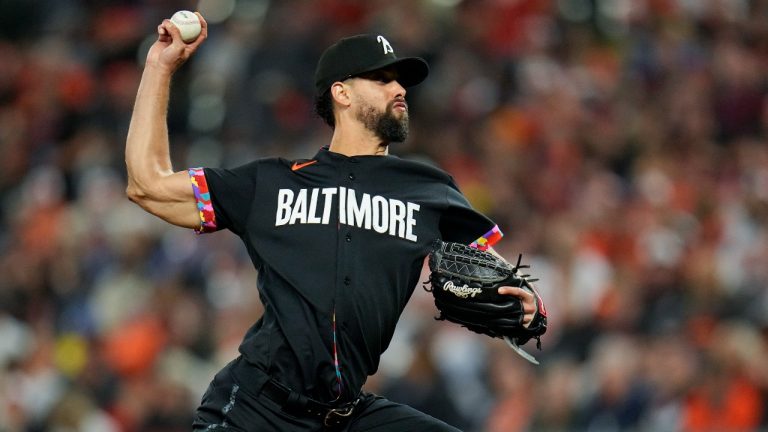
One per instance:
[(363, 53)]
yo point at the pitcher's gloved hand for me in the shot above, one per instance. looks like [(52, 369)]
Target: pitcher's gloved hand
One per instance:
[(465, 282)]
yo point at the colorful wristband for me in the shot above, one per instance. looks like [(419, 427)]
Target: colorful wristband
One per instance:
[(203, 198), (488, 239)]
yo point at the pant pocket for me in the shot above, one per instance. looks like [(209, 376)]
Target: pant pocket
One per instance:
[(217, 402)]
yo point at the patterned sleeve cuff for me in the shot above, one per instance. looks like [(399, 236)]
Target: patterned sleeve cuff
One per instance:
[(203, 198), (488, 239)]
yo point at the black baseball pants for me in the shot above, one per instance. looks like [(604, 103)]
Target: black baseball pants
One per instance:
[(228, 405)]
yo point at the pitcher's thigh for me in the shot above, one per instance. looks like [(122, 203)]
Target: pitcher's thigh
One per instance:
[(229, 405), (383, 415)]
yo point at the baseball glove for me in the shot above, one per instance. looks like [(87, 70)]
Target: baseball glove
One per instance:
[(465, 281)]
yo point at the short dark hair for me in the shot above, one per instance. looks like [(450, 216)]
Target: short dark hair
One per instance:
[(324, 108)]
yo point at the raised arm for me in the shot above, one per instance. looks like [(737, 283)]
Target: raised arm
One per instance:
[(152, 183)]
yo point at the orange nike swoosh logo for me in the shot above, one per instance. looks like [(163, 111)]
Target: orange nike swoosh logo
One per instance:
[(297, 166)]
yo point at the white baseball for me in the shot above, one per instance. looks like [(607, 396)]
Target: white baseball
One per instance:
[(188, 23)]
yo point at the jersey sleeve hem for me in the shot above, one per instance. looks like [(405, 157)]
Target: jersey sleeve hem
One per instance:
[(488, 239), (203, 199)]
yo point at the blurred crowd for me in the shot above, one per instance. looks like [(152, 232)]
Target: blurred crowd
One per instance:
[(621, 145)]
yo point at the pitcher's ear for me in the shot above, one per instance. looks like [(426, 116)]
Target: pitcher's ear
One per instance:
[(340, 93)]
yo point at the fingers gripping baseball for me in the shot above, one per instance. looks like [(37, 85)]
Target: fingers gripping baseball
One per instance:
[(170, 51)]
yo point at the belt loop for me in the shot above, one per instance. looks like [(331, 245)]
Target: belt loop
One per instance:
[(295, 402)]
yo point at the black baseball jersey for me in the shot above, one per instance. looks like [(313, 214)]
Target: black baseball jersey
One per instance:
[(338, 243)]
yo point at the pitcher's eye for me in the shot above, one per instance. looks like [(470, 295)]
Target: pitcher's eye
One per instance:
[(380, 76)]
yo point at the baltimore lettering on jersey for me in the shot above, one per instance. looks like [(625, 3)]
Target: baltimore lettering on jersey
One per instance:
[(370, 212)]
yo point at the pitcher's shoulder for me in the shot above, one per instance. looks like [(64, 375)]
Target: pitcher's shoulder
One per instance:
[(423, 167)]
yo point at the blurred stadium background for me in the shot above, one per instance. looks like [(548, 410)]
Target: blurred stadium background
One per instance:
[(620, 144)]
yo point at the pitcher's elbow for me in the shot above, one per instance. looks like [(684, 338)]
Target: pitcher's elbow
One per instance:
[(135, 193)]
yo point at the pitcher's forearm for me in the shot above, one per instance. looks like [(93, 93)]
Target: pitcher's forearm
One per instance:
[(147, 153), (152, 183)]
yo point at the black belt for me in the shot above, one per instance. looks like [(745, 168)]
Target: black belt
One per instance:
[(296, 403)]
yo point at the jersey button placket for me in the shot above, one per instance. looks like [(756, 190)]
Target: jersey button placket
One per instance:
[(351, 176), (352, 162)]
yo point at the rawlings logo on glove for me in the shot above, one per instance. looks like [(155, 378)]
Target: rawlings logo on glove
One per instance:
[(465, 281), (463, 291)]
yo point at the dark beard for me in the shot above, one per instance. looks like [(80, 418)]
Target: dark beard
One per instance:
[(385, 125)]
